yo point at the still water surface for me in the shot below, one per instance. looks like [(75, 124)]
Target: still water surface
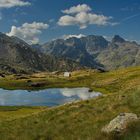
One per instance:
[(47, 97)]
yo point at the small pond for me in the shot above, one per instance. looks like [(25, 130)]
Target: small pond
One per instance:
[(47, 97)]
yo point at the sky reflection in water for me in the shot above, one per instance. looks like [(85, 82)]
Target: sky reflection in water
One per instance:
[(48, 97)]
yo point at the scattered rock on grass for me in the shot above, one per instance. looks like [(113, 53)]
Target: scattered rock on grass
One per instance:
[(39, 84), (120, 123), (2, 75)]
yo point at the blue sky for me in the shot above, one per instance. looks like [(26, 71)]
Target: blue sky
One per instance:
[(47, 21)]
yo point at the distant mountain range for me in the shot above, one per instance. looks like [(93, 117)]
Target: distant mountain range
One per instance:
[(95, 51), (16, 56)]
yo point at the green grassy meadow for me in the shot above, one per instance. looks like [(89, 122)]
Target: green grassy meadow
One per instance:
[(76, 121)]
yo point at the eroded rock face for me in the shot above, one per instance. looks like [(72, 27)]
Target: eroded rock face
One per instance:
[(120, 123), (18, 57), (95, 51)]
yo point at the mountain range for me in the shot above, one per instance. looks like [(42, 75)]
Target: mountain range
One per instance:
[(95, 51), (16, 56)]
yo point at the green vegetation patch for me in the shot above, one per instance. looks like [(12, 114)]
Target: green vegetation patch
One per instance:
[(81, 120)]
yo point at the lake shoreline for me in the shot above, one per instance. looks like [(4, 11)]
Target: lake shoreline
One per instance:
[(48, 97)]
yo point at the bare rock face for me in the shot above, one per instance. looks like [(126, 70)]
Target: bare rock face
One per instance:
[(96, 52), (16, 56), (120, 123)]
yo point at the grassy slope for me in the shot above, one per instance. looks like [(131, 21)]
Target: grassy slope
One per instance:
[(81, 120)]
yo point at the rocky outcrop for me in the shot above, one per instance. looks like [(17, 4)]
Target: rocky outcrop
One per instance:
[(120, 123), (117, 39)]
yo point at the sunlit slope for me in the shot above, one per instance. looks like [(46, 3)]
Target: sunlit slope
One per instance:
[(83, 120)]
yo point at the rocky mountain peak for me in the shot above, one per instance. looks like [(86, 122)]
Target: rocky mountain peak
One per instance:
[(118, 39)]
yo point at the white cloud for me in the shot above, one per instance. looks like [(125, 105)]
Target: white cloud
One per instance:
[(82, 17), (28, 31), (77, 9), (67, 20), (70, 36), (13, 3)]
